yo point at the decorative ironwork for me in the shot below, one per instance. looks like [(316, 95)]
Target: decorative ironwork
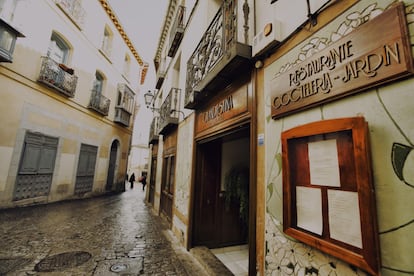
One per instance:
[(73, 9), (58, 76), (218, 52), (169, 110), (246, 12), (125, 105), (153, 133), (127, 99), (99, 102), (208, 52), (161, 72), (177, 31), (122, 116), (230, 23)]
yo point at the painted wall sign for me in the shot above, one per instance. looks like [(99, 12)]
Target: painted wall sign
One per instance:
[(375, 53), (223, 109)]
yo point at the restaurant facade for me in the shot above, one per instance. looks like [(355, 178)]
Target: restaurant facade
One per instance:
[(301, 149)]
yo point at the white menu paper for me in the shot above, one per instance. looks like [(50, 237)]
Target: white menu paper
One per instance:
[(344, 218), (323, 163), (309, 209)]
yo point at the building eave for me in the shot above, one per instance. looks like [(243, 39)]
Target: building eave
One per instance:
[(165, 28), (109, 11)]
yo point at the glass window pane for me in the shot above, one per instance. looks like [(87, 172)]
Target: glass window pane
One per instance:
[(57, 50), (6, 40)]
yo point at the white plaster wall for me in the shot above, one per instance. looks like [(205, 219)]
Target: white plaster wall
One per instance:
[(184, 165)]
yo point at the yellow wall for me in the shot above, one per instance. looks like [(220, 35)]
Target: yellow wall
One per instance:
[(28, 105)]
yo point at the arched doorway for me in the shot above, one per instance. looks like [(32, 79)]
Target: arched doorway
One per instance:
[(112, 165)]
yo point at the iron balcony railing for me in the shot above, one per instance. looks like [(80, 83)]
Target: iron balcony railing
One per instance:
[(125, 106), (169, 111), (221, 56), (58, 76), (153, 133), (122, 116), (99, 102), (161, 73), (74, 10), (177, 31)]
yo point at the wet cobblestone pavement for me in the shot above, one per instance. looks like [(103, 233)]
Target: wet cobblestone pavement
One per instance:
[(108, 235)]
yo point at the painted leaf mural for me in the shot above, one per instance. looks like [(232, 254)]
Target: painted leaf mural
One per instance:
[(399, 158)]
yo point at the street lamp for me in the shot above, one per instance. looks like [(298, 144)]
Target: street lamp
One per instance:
[(8, 36), (172, 111), (148, 97), (149, 101)]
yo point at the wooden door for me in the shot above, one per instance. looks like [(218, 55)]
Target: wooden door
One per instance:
[(207, 179), (167, 187), (112, 166), (217, 224), (152, 180)]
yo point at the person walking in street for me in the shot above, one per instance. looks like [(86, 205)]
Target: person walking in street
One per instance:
[(144, 181), (132, 180)]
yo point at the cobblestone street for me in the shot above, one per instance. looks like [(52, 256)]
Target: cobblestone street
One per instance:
[(109, 235)]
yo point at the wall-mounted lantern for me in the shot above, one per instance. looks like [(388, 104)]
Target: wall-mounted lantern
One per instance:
[(8, 36), (149, 99)]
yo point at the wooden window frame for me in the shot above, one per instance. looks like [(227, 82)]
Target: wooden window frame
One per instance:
[(355, 175), (168, 184)]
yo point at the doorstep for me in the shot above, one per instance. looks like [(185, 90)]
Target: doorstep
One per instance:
[(209, 261)]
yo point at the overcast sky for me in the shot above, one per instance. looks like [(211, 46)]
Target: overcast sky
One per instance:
[(142, 20)]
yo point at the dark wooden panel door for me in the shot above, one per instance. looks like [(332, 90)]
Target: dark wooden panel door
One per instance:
[(152, 180), (208, 179), (217, 224), (112, 166)]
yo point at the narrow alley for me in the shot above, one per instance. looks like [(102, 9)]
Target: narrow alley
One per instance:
[(109, 235)]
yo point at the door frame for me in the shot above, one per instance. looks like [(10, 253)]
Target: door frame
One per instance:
[(114, 160), (249, 116), (241, 122), (209, 155)]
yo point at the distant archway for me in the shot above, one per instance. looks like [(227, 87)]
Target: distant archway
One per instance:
[(112, 165)]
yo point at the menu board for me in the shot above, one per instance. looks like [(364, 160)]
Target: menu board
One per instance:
[(309, 209), (328, 195), (323, 163)]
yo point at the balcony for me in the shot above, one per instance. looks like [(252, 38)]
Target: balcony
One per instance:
[(169, 111), (8, 37), (160, 75), (125, 106), (222, 55), (153, 133), (73, 9), (58, 76), (177, 31), (99, 103), (122, 116)]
